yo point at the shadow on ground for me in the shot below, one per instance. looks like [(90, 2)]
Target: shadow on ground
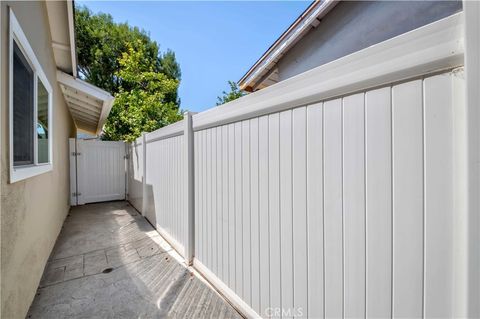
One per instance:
[(109, 262)]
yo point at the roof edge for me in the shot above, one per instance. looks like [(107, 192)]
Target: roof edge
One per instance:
[(71, 31), (295, 32), (94, 99)]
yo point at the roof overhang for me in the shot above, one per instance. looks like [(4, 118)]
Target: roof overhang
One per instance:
[(62, 29), (263, 73), (88, 104)]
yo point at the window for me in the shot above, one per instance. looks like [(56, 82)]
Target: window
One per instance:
[(42, 123), (30, 109), (22, 109)]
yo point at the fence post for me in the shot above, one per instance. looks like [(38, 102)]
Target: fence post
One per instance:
[(144, 178), (471, 225), (189, 187)]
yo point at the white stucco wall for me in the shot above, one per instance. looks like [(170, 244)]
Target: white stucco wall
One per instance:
[(32, 210)]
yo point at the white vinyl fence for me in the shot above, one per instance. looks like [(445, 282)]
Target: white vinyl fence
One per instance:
[(337, 193), (321, 208), (135, 169), (165, 202), (157, 177)]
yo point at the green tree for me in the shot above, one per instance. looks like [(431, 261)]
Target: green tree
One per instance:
[(234, 94), (142, 103), (169, 66), (124, 61)]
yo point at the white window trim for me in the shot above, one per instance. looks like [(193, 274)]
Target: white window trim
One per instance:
[(24, 172)]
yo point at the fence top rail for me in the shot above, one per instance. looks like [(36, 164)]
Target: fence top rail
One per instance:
[(165, 132), (428, 49), (93, 141)]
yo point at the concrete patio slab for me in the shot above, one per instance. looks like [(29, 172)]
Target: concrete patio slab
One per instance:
[(109, 262)]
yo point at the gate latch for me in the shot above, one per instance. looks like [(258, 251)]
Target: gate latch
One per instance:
[(76, 153), (76, 194)]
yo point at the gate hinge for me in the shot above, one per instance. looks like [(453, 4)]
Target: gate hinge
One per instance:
[(76, 153), (76, 194)]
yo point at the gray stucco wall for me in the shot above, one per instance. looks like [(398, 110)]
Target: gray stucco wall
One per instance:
[(355, 25), (32, 210)]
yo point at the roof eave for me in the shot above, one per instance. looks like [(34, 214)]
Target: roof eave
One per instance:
[(310, 17), (71, 29), (61, 18), (88, 104)]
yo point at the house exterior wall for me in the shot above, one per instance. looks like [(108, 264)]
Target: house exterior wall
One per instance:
[(32, 210), (355, 25)]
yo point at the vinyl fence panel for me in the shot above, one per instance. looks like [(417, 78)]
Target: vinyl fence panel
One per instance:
[(330, 213), (135, 174), (166, 206), (331, 194), (407, 199)]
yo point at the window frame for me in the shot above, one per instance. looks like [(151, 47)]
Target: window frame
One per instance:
[(22, 172)]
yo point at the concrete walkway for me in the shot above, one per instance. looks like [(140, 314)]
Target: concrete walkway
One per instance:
[(109, 262)]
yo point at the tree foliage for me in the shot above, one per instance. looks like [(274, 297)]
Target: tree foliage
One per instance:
[(142, 103), (234, 94), (124, 61)]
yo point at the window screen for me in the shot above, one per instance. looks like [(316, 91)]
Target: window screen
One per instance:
[(22, 109)]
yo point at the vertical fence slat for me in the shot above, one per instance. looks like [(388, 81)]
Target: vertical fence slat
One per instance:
[(204, 198), (189, 162), (354, 205), (378, 152), (274, 211), (238, 209), (168, 210), (213, 190), (438, 196), (286, 210), (263, 194), (144, 174), (219, 230), (300, 230), (231, 207), (255, 218), (315, 212), (225, 203), (333, 209), (407, 136), (181, 167), (208, 190), (197, 217), (246, 213)]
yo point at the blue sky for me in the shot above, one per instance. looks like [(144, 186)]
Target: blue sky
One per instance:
[(213, 41)]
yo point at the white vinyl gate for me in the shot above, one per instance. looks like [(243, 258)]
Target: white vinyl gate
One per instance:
[(97, 171)]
